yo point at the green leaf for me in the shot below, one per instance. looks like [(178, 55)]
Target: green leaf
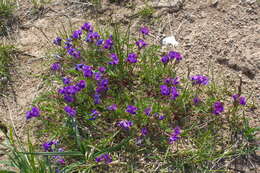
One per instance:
[(67, 153)]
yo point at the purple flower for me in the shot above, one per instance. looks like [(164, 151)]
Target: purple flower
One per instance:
[(161, 117), (94, 114), (132, 58), (165, 59), (175, 81), (77, 34), (156, 115), (87, 71), (61, 150), (57, 41), (69, 99), (87, 27), (34, 112), (140, 44), (235, 97), (175, 55), (81, 84), (68, 43), (172, 81), (131, 109), (74, 52), (196, 100), (148, 111), (66, 80), (69, 90), (114, 58), (106, 158), (103, 82), (97, 99), (144, 131), (200, 80), (165, 90), (79, 67), (70, 111), (175, 135), (112, 107), (92, 36), (242, 100), (97, 76), (125, 124), (144, 30), (55, 66), (102, 69), (218, 108), (167, 80), (99, 42), (108, 43), (101, 89), (174, 93), (49, 145), (61, 161)]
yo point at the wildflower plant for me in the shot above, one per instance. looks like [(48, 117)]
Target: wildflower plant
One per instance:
[(121, 100)]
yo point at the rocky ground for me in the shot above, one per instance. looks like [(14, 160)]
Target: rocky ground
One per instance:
[(222, 36)]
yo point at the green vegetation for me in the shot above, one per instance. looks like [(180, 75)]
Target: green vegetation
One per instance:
[(6, 10), (118, 104), (38, 4), (5, 63), (146, 11)]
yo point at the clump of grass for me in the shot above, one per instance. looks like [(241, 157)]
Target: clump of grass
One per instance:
[(118, 104), (5, 63), (38, 4), (6, 12), (146, 12)]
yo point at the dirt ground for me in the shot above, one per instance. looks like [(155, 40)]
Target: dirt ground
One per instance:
[(220, 35)]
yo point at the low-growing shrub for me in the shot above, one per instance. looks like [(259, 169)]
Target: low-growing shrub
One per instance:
[(118, 104)]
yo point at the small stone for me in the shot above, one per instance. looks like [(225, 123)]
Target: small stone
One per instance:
[(214, 3), (170, 41)]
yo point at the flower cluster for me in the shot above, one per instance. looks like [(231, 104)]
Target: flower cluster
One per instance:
[(50, 146), (94, 114), (114, 59), (199, 80), (34, 112), (132, 58), (112, 107), (125, 124), (141, 43), (131, 109), (175, 135), (218, 107), (171, 56), (70, 91), (144, 30), (172, 81), (96, 84), (70, 111), (56, 66), (148, 112), (239, 99), (106, 158), (169, 91)]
